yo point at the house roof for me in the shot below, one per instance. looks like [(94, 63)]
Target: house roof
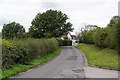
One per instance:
[(65, 34), (73, 35)]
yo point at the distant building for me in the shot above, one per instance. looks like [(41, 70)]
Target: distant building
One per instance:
[(74, 38), (119, 8)]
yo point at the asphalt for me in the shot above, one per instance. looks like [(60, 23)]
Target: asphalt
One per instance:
[(69, 64)]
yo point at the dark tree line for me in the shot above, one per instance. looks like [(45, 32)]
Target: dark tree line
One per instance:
[(51, 23), (118, 35), (12, 30), (103, 37)]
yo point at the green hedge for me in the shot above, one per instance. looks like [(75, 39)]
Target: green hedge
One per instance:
[(65, 42), (103, 37), (24, 50)]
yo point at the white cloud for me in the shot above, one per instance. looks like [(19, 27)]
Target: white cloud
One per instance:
[(97, 12)]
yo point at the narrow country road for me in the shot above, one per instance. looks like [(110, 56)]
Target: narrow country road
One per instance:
[(69, 64)]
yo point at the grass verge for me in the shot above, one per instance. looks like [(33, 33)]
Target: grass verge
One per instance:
[(17, 68), (103, 58)]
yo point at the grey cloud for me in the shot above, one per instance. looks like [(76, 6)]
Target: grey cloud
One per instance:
[(49, 4), (3, 21), (96, 12)]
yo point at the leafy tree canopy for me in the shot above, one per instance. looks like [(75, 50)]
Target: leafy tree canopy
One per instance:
[(51, 23), (113, 21), (12, 30)]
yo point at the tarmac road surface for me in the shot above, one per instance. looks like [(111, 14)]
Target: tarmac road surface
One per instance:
[(68, 64)]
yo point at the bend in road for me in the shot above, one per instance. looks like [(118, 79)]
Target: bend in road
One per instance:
[(69, 64)]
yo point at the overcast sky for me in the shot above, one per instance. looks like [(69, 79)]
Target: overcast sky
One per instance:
[(96, 12)]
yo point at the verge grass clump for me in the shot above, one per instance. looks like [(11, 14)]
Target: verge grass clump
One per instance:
[(104, 58)]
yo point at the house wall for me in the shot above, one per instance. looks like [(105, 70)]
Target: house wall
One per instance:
[(69, 36)]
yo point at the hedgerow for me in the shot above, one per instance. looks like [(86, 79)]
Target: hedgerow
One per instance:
[(65, 42), (23, 50), (103, 37)]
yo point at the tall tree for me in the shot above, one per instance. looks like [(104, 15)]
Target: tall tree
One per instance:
[(51, 23), (12, 30), (118, 35), (114, 20)]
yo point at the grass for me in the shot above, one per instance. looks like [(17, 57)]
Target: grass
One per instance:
[(103, 58), (17, 68)]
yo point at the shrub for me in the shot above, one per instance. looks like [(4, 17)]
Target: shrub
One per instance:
[(26, 52), (65, 42), (103, 37), (9, 53), (60, 42), (23, 50)]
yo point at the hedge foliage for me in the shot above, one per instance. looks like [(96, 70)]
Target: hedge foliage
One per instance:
[(103, 37), (65, 42), (24, 50)]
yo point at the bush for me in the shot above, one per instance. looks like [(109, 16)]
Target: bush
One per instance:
[(9, 53), (100, 38), (65, 42), (24, 50), (103, 37), (12, 30)]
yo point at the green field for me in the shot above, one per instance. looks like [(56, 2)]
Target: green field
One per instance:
[(100, 57), (17, 68)]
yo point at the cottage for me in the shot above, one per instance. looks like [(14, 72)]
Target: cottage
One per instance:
[(69, 36)]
